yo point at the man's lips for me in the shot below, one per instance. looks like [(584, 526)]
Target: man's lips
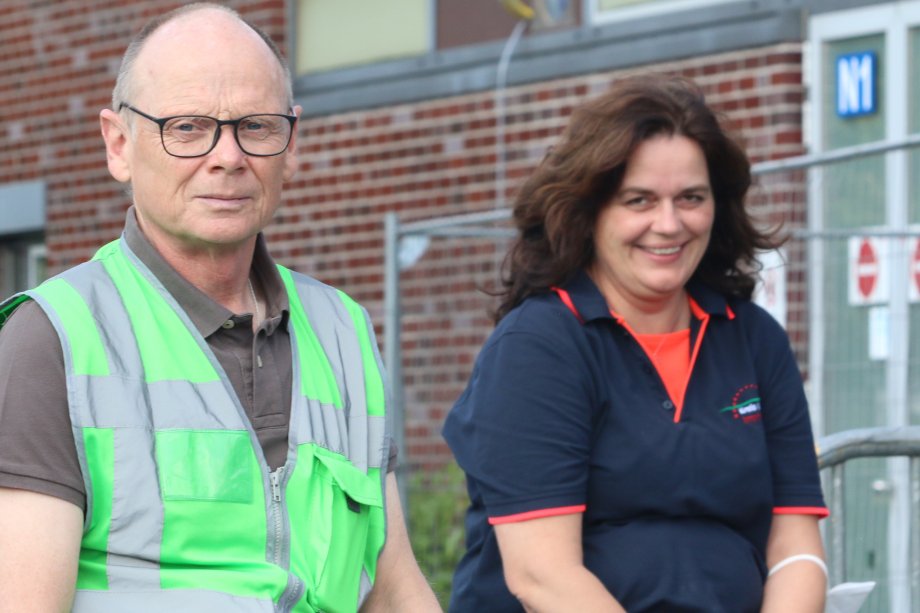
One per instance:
[(224, 202), (223, 197)]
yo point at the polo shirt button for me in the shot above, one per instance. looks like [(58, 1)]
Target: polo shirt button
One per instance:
[(227, 325), (668, 405)]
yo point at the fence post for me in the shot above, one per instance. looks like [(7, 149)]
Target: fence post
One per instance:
[(391, 345), (838, 568), (914, 529)]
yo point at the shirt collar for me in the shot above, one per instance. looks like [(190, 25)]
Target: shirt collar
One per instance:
[(586, 298), (708, 299), (590, 303), (206, 314)]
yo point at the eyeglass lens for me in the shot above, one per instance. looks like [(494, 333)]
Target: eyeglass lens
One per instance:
[(256, 134)]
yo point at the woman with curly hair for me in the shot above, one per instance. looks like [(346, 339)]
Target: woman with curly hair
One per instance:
[(635, 432)]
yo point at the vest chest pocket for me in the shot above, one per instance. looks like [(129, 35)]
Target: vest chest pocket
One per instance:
[(341, 507), (204, 465)]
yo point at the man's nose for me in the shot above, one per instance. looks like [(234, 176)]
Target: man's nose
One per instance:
[(227, 149)]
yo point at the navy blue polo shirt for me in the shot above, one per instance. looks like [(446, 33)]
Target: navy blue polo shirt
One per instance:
[(567, 414)]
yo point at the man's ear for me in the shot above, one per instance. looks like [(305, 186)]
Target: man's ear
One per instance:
[(291, 163), (117, 144)]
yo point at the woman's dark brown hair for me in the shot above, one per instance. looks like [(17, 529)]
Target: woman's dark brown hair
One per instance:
[(557, 207)]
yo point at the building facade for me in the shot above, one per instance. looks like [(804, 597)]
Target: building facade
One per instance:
[(438, 108)]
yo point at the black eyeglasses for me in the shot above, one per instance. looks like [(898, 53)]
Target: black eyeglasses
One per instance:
[(192, 136)]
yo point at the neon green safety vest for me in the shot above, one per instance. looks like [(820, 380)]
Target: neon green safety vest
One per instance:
[(182, 512)]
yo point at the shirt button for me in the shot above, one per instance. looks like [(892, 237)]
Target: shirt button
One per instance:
[(668, 405), (228, 325)]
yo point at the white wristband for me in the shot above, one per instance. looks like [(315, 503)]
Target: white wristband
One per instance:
[(807, 557)]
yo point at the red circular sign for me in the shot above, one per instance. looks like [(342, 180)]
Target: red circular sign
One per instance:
[(866, 269), (916, 266)]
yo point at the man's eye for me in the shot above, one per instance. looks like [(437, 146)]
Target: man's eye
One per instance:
[(187, 125), (254, 126)]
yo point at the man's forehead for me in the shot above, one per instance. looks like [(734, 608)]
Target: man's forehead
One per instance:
[(195, 32), (204, 50)]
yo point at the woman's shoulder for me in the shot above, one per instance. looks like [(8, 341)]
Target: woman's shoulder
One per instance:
[(754, 316), (762, 331), (543, 314), (735, 312), (540, 324)]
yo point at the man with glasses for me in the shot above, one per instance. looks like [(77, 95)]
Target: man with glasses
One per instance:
[(184, 425)]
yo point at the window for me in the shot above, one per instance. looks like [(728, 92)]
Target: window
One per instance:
[(22, 246), (602, 11), (22, 263), (341, 33)]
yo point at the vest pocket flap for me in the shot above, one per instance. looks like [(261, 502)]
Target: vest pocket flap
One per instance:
[(357, 485), (212, 465)]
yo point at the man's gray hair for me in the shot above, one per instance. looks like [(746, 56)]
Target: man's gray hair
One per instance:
[(124, 85)]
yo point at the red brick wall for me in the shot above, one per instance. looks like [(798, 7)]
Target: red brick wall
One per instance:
[(429, 159)]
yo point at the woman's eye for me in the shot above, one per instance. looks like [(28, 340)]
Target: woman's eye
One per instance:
[(695, 198)]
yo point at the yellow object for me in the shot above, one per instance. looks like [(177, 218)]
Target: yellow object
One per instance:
[(518, 8)]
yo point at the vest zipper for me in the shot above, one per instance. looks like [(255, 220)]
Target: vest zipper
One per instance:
[(276, 478), (295, 587), (276, 493)]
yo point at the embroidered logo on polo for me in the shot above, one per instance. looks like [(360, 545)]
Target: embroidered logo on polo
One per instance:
[(745, 404)]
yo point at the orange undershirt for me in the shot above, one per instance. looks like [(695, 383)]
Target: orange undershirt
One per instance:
[(670, 354)]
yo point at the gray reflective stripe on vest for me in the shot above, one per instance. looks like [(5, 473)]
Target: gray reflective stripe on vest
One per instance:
[(344, 352), (134, 538), (169, 601), (117, 332), (335, 333), (102, 402), (377, 425)]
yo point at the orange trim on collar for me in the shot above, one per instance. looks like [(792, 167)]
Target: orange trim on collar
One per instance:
[(699, 313), (567, 301), (696, 309), (696, 351)]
